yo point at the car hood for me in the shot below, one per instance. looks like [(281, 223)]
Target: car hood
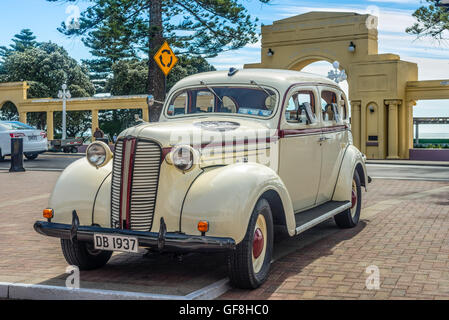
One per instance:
[(201, 131)]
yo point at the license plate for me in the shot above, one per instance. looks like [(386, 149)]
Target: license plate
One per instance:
[(32, 138), (116, 243)]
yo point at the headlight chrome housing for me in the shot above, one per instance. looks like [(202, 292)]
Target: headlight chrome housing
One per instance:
[(182, 157), (98, 154)]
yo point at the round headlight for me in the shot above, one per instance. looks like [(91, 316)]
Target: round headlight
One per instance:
[(98, 154), (182, 158)]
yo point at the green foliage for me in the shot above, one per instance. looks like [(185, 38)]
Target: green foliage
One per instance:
[(9, 112), (116, 29), (22, 41), (115, 121), (129, 76), (46, 66), (126, 29), (432, 21)]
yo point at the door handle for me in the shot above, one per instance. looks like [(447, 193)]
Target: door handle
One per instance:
[(322, 139)]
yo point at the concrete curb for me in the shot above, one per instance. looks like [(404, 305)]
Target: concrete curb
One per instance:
[(410, 163), (21, 291), (38, 169)]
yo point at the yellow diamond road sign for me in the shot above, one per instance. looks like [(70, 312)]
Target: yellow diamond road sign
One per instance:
[(165, 58)]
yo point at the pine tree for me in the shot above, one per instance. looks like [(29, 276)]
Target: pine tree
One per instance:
[(116, 29), (22, 41), (432, 21)]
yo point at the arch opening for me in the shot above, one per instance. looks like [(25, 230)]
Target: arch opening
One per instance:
[(9, 111)]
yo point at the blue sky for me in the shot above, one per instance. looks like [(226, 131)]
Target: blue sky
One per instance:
[(44, 17)]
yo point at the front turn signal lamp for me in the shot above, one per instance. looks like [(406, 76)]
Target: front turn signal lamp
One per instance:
[(48, 213), (203, 226)]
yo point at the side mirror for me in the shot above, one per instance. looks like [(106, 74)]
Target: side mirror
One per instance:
[(150, 100)]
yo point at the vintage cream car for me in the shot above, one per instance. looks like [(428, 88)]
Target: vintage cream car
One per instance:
[(235, 156)]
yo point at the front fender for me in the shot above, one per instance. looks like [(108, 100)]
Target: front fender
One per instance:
[(76, 189), (352, 160), (226, 196)]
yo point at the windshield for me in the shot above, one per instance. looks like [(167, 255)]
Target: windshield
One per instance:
[(15, 125), (230, 100)]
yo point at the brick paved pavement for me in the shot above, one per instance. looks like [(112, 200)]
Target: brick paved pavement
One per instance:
[(27, 257), (404, 231)]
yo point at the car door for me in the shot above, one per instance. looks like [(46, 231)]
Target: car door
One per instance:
[(300, 152), (334, 140)]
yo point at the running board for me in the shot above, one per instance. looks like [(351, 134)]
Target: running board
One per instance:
[(310, 218)]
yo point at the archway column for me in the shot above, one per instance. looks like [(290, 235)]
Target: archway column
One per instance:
[(393, 130), (23, 117), (355, 123), (95, 123), (145, 114), (50, 128), (410, 105)]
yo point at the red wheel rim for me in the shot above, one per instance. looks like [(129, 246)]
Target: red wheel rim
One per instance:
[(257, 243), (353, 198)]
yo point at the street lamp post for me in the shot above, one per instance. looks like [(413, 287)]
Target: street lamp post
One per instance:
[(337, 75), (64, 94)]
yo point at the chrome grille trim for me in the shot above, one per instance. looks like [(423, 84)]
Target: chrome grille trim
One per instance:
[(143, 189)]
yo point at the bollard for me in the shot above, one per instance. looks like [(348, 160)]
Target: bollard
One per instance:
[(16, 155)]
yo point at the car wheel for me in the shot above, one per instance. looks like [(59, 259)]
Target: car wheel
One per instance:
[(83, 254), (249, 264), (31, 156), (73, 149), (350, 217)]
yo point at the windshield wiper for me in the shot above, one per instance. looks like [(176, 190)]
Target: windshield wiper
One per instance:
[(262, 88), (211, 90)]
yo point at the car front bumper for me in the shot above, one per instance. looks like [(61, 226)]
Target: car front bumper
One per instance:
[(162, 240)]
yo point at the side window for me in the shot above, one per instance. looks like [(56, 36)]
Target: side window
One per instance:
[(296, 110), (178, 106), (329, 105)]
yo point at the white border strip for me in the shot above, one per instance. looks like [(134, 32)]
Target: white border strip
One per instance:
[(41, 292), (407, 178)]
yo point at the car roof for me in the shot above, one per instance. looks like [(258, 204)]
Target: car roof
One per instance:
[(272, 77), (16, 122)]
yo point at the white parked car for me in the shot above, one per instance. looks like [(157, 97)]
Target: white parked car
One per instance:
[(234, 155), (34, 140)]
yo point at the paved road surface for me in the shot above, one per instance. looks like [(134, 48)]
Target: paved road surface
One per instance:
[(408, 172), (46, 161), (58, 161)]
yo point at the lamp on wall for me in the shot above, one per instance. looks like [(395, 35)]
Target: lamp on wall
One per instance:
[(270, 52), (351, 47), (371, 109)]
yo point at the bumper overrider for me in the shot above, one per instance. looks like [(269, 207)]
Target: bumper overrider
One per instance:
[(163, 240)]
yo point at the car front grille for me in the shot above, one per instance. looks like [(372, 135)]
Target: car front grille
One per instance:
[(135, 177)]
